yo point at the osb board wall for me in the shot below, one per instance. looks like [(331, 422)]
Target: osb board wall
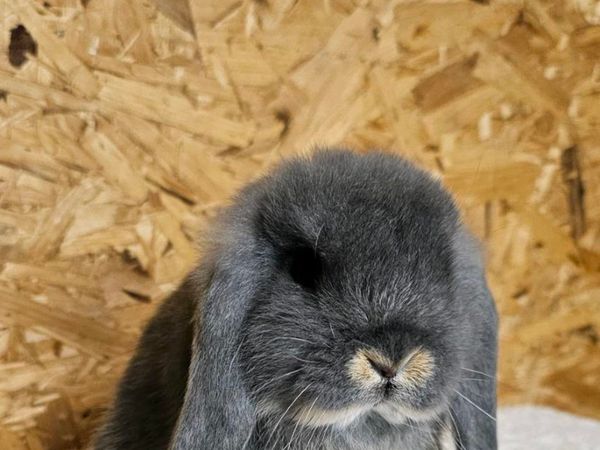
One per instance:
[(122, 131)]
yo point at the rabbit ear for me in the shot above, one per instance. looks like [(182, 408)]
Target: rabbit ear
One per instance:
[(217, 412), (474, 407)]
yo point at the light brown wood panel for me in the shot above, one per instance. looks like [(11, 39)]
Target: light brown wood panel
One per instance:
[(132, 123)]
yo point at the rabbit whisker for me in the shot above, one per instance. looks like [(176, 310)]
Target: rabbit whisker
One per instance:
[(272, 380), (298, 423), (442, 421), (480, 373), (247, 441), (301, 360), (331, 328), (460, 443), (314, 431), (285, 412), (475, 405)]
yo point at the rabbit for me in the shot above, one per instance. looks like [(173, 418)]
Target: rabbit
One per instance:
[(341, 304)]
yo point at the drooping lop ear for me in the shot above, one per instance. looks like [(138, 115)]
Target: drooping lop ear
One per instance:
[(217, 412), (474, 406)]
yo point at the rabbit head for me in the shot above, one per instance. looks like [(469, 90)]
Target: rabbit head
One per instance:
[(358, 311), (331, 297)]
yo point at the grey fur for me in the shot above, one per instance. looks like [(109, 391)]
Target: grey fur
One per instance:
[(389, 267)]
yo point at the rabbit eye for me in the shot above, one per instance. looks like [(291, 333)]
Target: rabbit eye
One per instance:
[(305, 267)]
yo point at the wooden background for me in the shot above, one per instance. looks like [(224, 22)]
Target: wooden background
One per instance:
[(122, 131)]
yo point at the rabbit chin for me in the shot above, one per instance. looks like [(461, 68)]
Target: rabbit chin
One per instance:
[(317, 417), (396, 413), (392, 412), (311, 415)]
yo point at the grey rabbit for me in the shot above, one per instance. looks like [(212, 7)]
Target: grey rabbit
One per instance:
[(342, 305)]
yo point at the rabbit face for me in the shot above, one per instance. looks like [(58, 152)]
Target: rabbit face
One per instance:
[(356, 314)]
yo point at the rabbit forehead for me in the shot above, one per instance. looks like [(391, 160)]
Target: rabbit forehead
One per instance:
[(373, 212), (345, 191), (362, 219)]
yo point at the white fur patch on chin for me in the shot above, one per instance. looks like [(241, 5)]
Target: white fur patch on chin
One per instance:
[(316, 417), (447, 440), (398, 414)]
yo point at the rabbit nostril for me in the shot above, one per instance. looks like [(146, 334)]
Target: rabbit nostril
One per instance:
[(384, 370)]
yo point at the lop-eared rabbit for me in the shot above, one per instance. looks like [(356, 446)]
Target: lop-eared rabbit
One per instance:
[(341, 305)]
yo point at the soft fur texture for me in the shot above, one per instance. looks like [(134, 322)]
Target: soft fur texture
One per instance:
[(342, 306)]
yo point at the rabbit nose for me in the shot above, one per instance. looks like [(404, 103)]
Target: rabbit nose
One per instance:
[(384, 370)]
